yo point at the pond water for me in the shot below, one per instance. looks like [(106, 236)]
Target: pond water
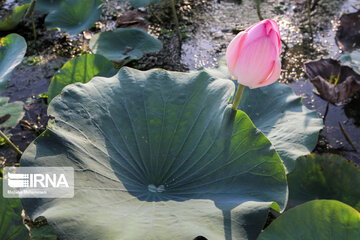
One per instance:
[(209, 28)]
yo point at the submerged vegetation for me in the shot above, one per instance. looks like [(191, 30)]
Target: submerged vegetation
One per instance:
[(137, 98)]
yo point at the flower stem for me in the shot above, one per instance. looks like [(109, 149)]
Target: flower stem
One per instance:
[(3, 135), (258, 2), (176, 20), (238, 97)]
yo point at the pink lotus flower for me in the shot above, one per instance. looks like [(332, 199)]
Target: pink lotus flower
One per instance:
[(253, 55)]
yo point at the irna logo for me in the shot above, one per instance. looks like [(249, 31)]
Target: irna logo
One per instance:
[(18, 180), (38, 182)]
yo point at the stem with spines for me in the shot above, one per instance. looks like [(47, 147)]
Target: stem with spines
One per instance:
[(3, 135)]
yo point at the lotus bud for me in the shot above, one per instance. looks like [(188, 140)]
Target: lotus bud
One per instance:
[(253, 55)]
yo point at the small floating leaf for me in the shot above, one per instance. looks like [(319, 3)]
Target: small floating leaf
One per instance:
[(13, 20), (140, 3), (80, 69), (14, 112), (45, 6), (12, 51), (316, 220), (352, 60), (74, 16), (124, 43), (324, 177)]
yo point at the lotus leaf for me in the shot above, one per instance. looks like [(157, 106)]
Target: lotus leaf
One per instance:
[(80, 69), (157, 155), (12, 51), (73, 16), (324, 177), (13, 20), (10, 113), (124, 43), (316, 220)]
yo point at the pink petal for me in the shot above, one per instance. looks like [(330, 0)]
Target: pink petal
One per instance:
[(276, 41), (256, 31), (264, 28), (255, 62), (275, 26), (275, 74), (233, 51)]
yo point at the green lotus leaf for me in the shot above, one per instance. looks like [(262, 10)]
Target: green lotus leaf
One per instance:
[(80, 69), (139, 3), (10, 113), (352, 60), (42, 231), (124, 43), (11, 21), (279, 113), (12, 51), (281, 116), (324, 177), (45, 6), (73, 16), (11, 225), (315, 220), (157, 155)]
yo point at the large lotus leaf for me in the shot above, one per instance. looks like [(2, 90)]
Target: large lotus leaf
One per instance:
[(73, 16), (281, 116), (324, 177), (11, 225), (140, 3), (157, 155), (10, 113), (12, 51), (80, 69), (14, 18), (316, 220), (123, 43)]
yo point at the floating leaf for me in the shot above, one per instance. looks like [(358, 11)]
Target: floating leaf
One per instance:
[(45, 6), (13, 20), (11, 225), (157, 155), (73, 16), (279, 113), (139, 3), (352, 60), (317, 220), (12, 51), (124, 43), (324, 177), (80, 69), (281, 116), (14, 112)]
